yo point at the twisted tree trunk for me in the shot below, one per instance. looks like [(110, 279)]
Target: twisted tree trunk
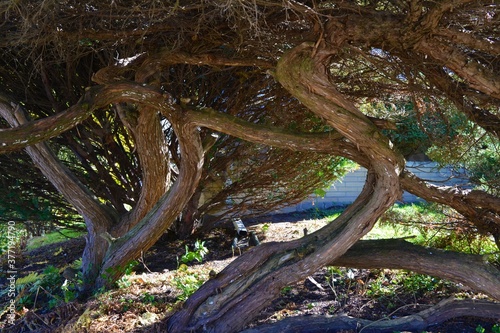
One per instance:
[(237, 294), (112, 240)]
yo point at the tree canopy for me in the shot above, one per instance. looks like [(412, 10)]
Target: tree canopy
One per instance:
[(141, 114)]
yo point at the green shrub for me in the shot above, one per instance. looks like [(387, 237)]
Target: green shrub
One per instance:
[(197, 254), (437, 226), (187, 282), (45, 290)]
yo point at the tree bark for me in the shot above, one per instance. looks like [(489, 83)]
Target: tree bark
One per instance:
[(151, 147), (251, 282), (186, 223), (112, 240), (98, 219), (445, 310), (40, 130), (472, 270)]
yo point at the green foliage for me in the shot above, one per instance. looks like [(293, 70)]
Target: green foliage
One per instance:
[(320, 192), (29, 279), (333, 172), (285, 290), (436, 226), (18, 205), (482, 164), (147, 298), (197, 254), (46, 290), (388, 285), (494, 329), (447, 137), (13, 236), (187, 282), (311, 306)]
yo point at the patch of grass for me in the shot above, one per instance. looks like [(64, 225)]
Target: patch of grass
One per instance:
[(13, 236), (434, 226), (383, 231), (52, 238)]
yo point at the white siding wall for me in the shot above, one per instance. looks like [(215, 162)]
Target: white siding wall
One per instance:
[(345, 192)]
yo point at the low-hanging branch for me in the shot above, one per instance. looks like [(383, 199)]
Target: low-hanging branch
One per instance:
[(401, 254), (444, 310)]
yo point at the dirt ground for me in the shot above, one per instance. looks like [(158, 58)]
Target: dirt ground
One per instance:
[(127, 309)]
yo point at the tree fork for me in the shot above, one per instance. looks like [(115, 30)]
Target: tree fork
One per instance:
[(150, 228), (219, 305)]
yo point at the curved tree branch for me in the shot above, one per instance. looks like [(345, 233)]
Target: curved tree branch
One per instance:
[(484, 118), (477, 76), (464, 201), (459, 37), (481, 208), (148, 230), (151, 147), (444, 310), (96, 97), (97, 217), (305, 77), (64, 181), (469, 269)]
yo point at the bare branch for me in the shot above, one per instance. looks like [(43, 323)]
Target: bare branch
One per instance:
[(477, 75)]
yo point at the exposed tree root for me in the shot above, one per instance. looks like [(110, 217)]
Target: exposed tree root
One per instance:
[(445, 310)]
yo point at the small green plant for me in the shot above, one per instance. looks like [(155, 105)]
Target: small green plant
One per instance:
[(331, 279), (126, 303), (336, 277), (197, 254), (265, 228), (43, 289), (147, 298), (188, 283), (286, 290), (123, 282), (494, 329)]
